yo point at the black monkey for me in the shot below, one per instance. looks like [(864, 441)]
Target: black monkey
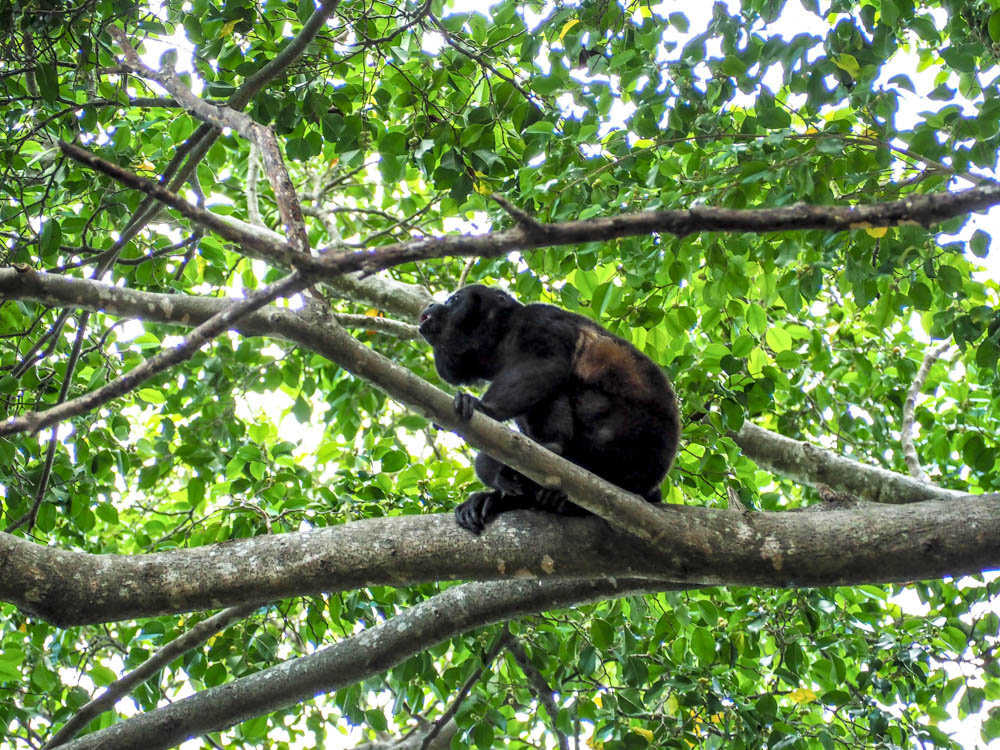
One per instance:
[(567, 382)]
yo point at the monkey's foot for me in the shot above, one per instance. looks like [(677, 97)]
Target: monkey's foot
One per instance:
[(478, 510), (554, 501)]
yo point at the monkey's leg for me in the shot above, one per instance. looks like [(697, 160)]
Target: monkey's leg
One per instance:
[(494, 474), (483, 507)]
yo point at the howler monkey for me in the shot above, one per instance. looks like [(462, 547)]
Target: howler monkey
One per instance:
[(569, 384)]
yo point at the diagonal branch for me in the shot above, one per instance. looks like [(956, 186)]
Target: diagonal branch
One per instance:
[(812, 465), (925, 210), (118, 689), (221, 321), (370, 652)]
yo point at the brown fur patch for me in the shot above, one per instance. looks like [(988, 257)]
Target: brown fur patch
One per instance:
[(601, 359)]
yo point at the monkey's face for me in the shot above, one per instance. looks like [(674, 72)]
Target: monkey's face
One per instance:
[(448, 323)]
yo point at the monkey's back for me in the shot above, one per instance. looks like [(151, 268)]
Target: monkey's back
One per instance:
[(626, 424)]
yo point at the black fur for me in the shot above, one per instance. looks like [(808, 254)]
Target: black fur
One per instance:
[(568, 384)]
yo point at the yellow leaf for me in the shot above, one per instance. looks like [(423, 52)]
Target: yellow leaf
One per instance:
[(848, 63), (597, 701), (228, 28), (567, 26), (644, 143), (645, 12), (876, 232), (643, 733), (802, 695)]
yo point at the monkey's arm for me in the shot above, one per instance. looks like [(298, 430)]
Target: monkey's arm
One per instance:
[(517, 388)]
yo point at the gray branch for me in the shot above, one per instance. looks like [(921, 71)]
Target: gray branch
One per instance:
[(371, 652)]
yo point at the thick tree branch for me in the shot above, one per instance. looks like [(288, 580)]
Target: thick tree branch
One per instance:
[(371, 652), (811, 465), (875, 544)]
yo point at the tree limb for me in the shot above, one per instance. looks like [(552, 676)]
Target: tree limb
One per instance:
[(925, 210), (118, 689), (812, 465), (909, 405), (874, 544), (221, 321), (371, 652)]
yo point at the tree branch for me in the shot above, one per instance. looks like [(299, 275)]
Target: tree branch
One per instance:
[(906, 429), (539, 686), (812, 465), (122, 687), (925, 210), (875, 544), (371, 652), (221, 321)]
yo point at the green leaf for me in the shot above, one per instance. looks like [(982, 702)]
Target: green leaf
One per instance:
[(11, 661), (50, 238), (756, 319), (703, 645), (994, 26), (778, 339), (980, 242), (602, 635), (394, 461), (152, 395), (482, 734)]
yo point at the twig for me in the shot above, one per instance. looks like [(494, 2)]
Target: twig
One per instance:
[(526, 222), (909, 406), (538, 684), (122, 687), (460, 696), (735, 504)]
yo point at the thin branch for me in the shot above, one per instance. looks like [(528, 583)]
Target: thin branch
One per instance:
[(522, 219), (450, 39), (246, 126), (541, 688), (463, 692), (123, 686), (925, 210), (34, 421), (388, 326), (909, 406), (28, 519)]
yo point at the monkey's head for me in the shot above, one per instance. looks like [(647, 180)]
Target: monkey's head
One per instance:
[(466, 330)]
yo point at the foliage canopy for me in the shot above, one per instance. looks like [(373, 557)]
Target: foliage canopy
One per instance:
[(398, 121)]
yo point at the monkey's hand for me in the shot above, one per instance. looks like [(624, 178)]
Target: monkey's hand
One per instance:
[(466, 404)]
